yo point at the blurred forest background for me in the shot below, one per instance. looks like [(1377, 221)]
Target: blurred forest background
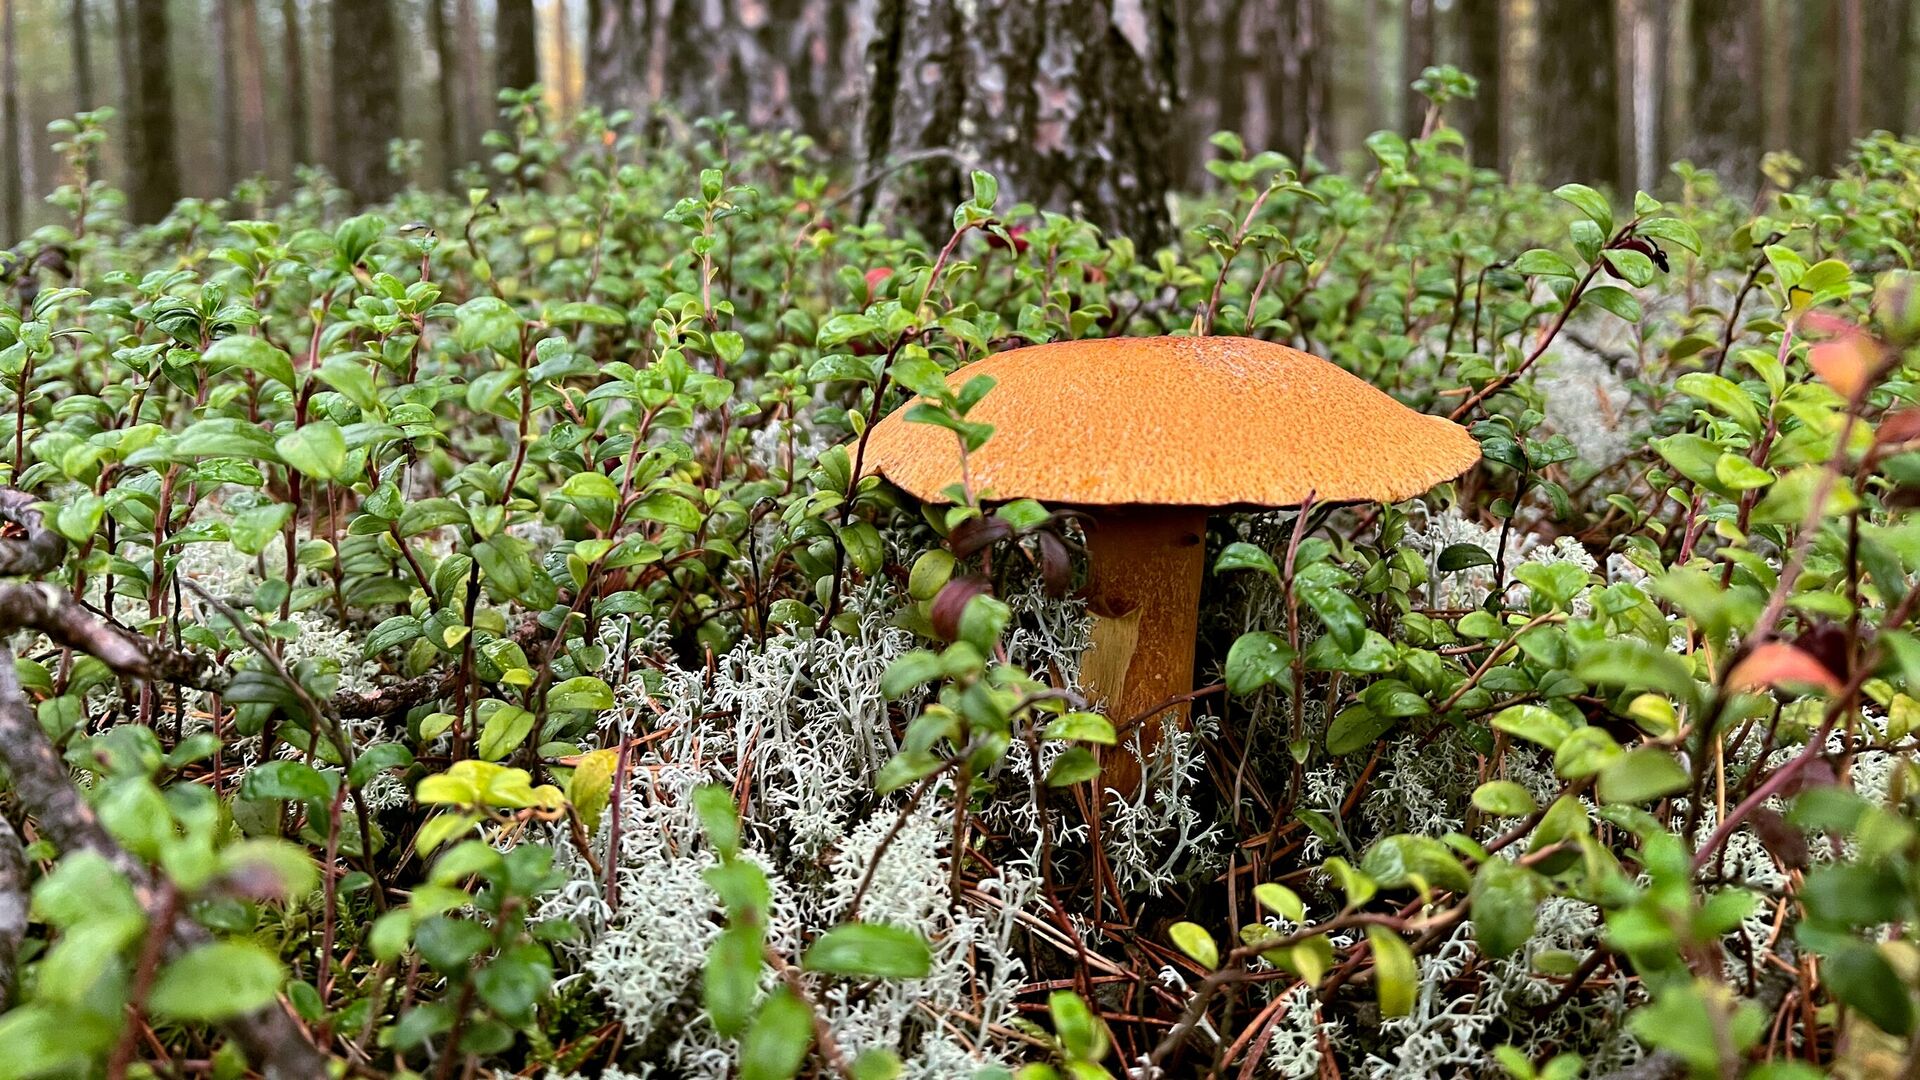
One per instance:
[(213, 93)]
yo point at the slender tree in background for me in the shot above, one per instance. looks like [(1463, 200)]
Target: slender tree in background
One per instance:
[(516, 45), (1050, 96), (1724, 46), (446, 88), (1849, 62), (1479, 23), (155, 173), (476, 95), (77, 29), (293, 63), (249, 85), (619, 38), (1576, 93), (1298, 88), (366, 96), (12, 210), (1416, 55), (226, 118), (1889, 49)]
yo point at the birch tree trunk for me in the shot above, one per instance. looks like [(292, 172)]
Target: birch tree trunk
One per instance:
[(1068, 107)]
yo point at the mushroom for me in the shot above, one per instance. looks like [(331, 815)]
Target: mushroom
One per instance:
[(1147, 435)]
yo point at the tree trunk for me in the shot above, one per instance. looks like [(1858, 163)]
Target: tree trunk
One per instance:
[(1480, 57), (155, 184), (1726, 114), (366, 96), (1576, 97), (1416, 55), (1050, 96), (12, 203), (1889, 47), (293, 60), (516, 37), (250, 86), (446, 89), (1297, 111), (226, 125), (474, 91), (1849, 91), (619, 33), (83, 94)]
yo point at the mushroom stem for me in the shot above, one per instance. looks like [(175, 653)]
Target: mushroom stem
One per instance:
[(1146, 568)]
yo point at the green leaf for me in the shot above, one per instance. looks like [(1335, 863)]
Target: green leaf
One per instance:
[(1723, 396), (1258, 659), (1503, 902), (1859, 975), (1082, 727), (1241, 555), (1082, 1034), (1395, 976), (1539, 262), (1613, 298), (732, 978), (1634, 665), (316, 448), (503, 731), (1504, 798), (488, 322), (719, 818), (1193, 939), (582, 692), (1356, 728), (1641, 775), (1589, 202), (285, 780), (1534, 723), (870, 950), (1463, 557), (776, 1043), (248, 353), (1280, 900), (1074, 766), (216, 981)]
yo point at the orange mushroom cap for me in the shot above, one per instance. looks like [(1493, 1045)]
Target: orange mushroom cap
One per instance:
[(1177, 421)]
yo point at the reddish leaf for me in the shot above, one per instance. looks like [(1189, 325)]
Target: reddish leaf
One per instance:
[(1776, 663), (951, 601), (1846, 363)]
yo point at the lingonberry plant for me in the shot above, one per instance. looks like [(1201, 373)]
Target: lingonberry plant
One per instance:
[(468, 637)]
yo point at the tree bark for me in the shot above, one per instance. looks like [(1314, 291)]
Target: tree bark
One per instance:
[(250, 86), (1889, 45), (155, 184), (226, 124), (1298, 110), (1576, 94), (12, 202), (1723, 41), (474, 91), (1480, 56), (446, 89), (294, 64), (1050, 96), (1416, 55), (366, 96), (1849, 45), (83, 93), (619, 35), (516, 36)]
